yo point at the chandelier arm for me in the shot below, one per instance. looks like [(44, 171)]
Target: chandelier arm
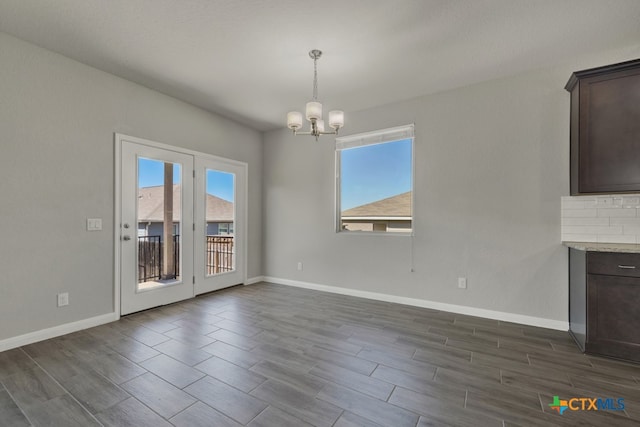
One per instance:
[(314, 133)]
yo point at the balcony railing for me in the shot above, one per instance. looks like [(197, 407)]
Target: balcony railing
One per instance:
[(219, 256), (150, 258)]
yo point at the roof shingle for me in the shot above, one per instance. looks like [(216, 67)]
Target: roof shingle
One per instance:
[(394, 206), (151, 206)]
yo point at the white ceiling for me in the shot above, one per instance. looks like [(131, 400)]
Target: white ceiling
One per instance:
[(248, 59)]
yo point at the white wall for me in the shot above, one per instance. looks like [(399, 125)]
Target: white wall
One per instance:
[(57, 124), (492, 162)]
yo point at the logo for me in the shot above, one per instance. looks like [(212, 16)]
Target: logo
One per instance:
[(558, 405), (587, 404)]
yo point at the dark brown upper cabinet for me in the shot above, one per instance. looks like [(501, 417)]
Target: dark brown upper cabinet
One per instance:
[(605, 129)]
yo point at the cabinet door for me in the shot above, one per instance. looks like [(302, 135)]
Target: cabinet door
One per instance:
[(609, 132), (578, 296), (613, 316)]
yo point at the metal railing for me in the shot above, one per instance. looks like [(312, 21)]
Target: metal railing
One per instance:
[(220, 256), (150, 258)]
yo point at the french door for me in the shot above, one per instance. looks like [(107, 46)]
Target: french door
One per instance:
[(181, 221), (220, 209)]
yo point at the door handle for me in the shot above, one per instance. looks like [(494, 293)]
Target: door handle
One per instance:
[(126, 238), (630, 267)]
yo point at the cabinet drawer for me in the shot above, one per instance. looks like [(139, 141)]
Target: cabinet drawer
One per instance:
[(613, 264)]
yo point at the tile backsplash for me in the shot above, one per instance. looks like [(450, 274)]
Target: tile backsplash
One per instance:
[(601, 219)]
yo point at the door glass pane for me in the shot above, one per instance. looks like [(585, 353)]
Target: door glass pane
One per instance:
[(220, 219), (158, 223)]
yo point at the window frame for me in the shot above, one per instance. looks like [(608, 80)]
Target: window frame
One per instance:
[(223, 228), (228, 229), (381, 136)]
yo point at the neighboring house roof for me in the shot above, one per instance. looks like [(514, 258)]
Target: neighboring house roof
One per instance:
[(151, 206), (398, 206)]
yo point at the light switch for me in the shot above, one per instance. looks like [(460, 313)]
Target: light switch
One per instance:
[(94, 224)]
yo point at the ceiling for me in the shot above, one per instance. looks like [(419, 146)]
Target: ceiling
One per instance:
[(248, 59)]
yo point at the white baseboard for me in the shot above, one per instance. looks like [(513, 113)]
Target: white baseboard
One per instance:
[(253, 280), (461, 309), (56, 331)]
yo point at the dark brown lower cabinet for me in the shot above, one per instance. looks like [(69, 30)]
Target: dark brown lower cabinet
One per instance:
[(604, 303), (613, 313)]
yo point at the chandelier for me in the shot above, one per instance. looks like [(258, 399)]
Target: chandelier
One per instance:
[(314, 110)]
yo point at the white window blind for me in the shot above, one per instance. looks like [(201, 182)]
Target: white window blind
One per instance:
[(376, 137)]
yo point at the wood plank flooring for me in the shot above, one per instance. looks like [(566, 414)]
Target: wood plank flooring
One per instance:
[(271, 355)]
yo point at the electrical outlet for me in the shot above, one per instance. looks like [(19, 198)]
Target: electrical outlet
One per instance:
[(462, 282), (63, 299), (604, 201), (299, 265), (631, 202)]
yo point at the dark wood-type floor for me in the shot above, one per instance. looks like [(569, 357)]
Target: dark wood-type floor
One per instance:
[(270, 355)]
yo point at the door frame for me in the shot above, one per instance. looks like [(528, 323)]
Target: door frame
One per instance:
[(117, 220)]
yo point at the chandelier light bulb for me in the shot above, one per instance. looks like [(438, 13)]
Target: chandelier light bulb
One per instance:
[(336, 119), (314, 110), (294, 120)]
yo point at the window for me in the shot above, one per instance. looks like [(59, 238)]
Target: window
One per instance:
[(225, 228), (374, 179)]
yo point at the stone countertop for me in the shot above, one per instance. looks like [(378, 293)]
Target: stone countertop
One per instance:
[(604, 247)]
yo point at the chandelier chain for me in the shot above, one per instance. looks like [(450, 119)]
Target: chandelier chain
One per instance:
[(315, 79)]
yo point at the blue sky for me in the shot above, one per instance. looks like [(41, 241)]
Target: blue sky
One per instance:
[(374, 172), (151, 173), (220, 184)]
